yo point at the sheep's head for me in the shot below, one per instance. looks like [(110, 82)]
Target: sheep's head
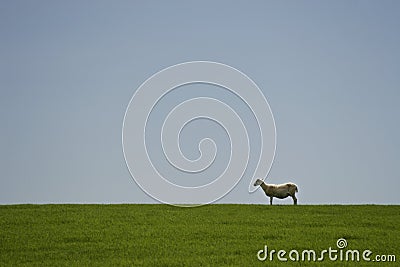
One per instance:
[(258, 182)]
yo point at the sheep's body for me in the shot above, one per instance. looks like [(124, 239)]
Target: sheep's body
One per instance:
[(278, 190)]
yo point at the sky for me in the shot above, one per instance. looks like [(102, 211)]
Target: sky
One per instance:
[(330, 71)]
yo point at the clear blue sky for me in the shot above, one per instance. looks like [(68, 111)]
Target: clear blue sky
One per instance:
[(329, 69)]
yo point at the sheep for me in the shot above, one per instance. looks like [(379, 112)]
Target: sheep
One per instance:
[(278, 190)]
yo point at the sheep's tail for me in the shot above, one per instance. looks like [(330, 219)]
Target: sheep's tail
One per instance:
[(292, 185)]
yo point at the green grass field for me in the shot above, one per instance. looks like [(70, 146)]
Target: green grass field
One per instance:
[(213, 235)]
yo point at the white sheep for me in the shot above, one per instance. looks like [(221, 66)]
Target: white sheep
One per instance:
[(278, 190)]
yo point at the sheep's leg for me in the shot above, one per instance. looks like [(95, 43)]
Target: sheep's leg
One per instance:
[(294, 200), (270, 200)]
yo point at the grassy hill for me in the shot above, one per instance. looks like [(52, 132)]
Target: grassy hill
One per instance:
[(213, 235)]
